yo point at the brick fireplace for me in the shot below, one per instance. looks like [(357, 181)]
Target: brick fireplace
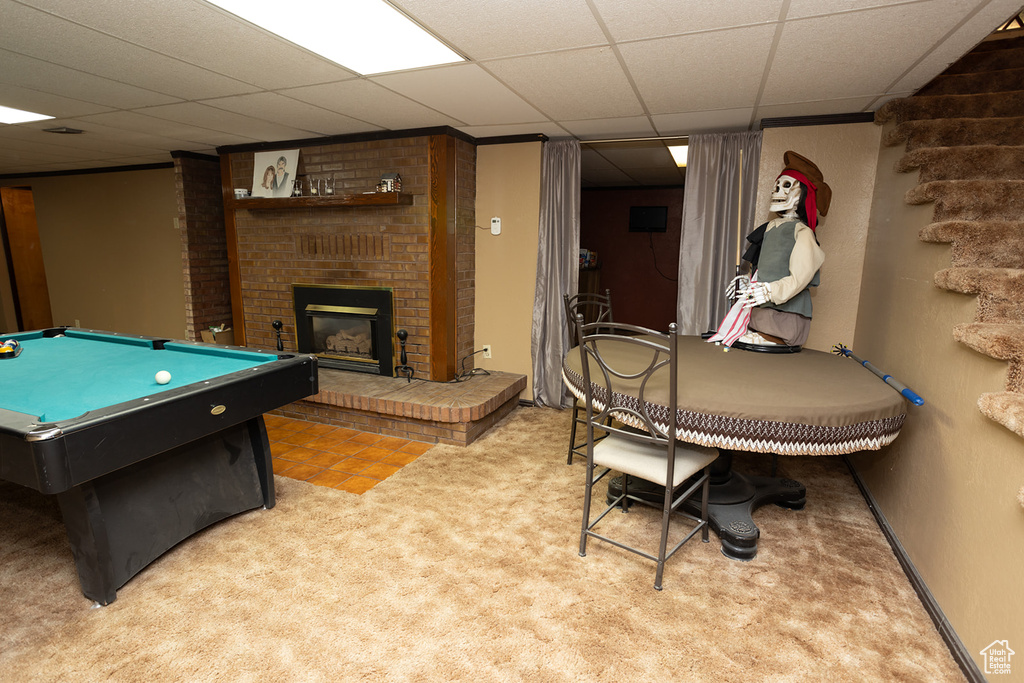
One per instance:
[(421, 246), (417, 244)]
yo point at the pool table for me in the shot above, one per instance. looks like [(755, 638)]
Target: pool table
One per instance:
[(138, 466)]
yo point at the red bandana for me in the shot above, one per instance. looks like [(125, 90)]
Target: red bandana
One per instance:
[(810, 201)]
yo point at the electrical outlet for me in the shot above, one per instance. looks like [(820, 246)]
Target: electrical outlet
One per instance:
[(487, 350)]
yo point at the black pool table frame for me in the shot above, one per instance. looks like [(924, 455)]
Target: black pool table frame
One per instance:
[(135, 479)]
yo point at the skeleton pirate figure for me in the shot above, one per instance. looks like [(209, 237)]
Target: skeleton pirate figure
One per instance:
[(773, 306)]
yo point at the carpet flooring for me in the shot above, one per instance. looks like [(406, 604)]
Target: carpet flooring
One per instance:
[(464, 566)]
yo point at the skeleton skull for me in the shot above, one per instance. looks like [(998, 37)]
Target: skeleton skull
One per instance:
[(787, 194)]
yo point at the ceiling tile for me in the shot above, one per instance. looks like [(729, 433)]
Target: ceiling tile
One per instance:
[(664, 175), (594, 160), (366, 101), (141, 123), (703, 121), (73, 85), (633, 155), (44, 103), (465, 92), (878, 37), (76, 146), (625, 127), (658, 18), (578, 84), (815, 8), (302, 115), (486, 30), (201, 34), (607, 177), (686, 73), (37, 34), (973, 31), (202, 116)]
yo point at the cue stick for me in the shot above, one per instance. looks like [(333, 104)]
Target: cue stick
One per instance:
[(841, 350), (739, 216)]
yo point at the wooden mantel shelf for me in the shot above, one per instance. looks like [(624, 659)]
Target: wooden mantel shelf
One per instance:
[(369, 199)]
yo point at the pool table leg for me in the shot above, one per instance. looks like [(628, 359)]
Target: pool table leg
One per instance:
[(264, 459), (87, 533)]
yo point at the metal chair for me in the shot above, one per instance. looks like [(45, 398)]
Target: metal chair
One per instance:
[(621, 365), (594, 308)]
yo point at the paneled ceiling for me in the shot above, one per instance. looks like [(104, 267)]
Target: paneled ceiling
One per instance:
[(144, 77)]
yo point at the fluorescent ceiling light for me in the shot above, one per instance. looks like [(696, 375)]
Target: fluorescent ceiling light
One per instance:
[(8, 115), (365, 36), (679, 154)]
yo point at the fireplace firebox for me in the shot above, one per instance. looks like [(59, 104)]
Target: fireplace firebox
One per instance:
[(346, 328)]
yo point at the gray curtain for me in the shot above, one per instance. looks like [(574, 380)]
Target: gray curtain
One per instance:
[(718, 214), (557, 268)]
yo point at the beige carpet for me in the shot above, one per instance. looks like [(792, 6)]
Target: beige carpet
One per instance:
[(464, 567)]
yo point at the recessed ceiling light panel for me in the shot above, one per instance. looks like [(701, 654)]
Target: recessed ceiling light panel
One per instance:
[(679, 154), (365, 36), (8, 115)]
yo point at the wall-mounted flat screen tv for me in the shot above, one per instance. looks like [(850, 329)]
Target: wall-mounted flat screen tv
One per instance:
[(648, 218)]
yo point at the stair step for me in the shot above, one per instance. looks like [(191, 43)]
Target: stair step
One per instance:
[(974, 200), (1002, 41), (976, 162), (1003, 283), (979, 244), (955, 132), (1006, 408), (988, 60), (1004, 80), (1002, 341), (984, 105)]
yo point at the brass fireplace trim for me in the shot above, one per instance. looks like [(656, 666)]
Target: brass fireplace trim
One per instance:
[(349, 310)]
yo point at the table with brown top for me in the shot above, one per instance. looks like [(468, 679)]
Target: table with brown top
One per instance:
[(806, 403)]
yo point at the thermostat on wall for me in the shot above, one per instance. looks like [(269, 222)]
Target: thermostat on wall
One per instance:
[(495, 226)]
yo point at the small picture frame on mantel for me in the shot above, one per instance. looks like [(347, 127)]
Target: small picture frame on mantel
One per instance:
[(273, 173)]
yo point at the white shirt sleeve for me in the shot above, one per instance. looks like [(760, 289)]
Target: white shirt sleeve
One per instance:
[(804, 262)]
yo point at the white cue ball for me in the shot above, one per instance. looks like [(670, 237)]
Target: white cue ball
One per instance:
[(163, 377)]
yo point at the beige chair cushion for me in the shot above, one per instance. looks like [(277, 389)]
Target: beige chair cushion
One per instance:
[(648, 461)]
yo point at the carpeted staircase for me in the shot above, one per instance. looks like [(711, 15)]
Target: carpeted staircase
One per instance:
[(964, 133)]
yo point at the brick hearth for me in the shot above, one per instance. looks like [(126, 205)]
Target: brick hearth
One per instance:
[(434, 412)]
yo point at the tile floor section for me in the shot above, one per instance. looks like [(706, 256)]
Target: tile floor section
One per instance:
[(337, 457)]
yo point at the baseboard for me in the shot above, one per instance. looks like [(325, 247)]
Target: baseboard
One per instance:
[(956, 647)]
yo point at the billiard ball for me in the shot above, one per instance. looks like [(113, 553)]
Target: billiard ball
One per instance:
[(163, 377)]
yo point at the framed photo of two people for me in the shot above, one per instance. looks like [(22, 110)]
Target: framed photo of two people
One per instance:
[(273, 173)]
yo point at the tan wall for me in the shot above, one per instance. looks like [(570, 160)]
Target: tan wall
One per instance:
[(846, 155), (112, 250), (508, 186), (947, 485)]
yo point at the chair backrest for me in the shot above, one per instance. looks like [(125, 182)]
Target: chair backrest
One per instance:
[(594, 308), (630, 374)]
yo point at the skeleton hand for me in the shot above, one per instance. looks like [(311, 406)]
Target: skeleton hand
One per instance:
[(738, 284), (756, 294)]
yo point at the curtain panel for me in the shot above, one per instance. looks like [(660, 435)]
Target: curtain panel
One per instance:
[(557, 268), (718, 214)]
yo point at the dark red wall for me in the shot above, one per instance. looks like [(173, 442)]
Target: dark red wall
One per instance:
[(639, 294)]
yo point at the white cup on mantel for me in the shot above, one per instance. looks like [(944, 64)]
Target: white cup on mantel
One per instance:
[(241, 193)]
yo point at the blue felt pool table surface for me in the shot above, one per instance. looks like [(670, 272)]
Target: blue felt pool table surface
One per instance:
[(61, 377)]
